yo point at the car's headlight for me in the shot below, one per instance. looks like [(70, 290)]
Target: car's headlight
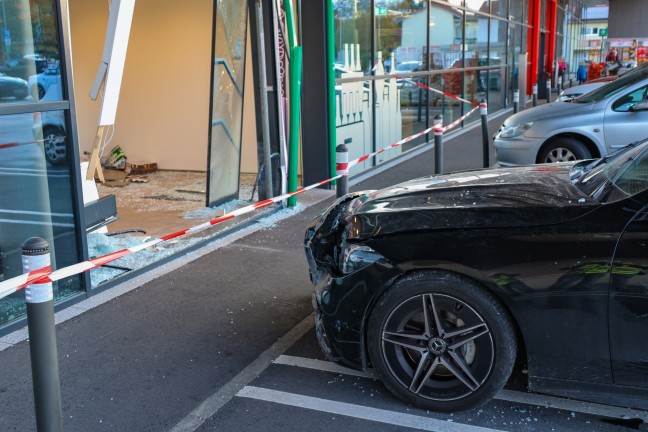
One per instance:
[(356, 257), (515, 130)]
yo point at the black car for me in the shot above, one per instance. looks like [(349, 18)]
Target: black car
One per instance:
[(441, 283)]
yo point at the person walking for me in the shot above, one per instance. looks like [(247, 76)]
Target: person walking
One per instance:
[(581, 73)]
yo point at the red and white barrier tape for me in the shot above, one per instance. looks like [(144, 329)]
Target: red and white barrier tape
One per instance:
[(343, 167), (18, 144), (46, 275), (436, 90), (459, 120)]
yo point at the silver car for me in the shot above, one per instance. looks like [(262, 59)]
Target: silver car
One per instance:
[(589, 126)]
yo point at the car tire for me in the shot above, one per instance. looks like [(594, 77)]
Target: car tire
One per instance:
[(55, 145), (41, 92), (564, 149), (441, 342)]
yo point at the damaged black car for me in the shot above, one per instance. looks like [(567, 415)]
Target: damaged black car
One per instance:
[(439, 284)]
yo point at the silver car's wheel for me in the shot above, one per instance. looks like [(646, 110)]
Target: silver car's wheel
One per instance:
[(441, 342), (563, 149), (560, 154)]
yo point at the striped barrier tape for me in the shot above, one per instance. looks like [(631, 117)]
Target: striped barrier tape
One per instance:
[(46, 275), (340, 167), (459, 120), (18, 144), (437, 91)]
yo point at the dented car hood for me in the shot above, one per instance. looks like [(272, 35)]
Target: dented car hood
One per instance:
[(495, 198)]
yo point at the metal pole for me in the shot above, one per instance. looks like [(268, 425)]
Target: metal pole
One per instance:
[(535, 94), (516, 101), (483, 110), (42, 339), (549, 91), (280, 67), (267, 159), (438, 144), (342, 161)]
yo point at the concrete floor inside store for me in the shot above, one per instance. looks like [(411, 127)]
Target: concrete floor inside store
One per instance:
[(163, 202)]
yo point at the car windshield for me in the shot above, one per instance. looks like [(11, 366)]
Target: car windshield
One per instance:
[(619, 175), (613, 87)]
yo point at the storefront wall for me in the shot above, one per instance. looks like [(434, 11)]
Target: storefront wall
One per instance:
[(435, 44)]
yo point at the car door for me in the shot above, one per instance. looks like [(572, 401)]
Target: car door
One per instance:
[(629, 294), (623, 126)]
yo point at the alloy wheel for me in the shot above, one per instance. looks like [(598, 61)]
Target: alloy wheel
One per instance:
[(438, 347), (560, 154)]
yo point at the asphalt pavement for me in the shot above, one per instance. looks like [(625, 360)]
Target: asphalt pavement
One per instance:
[(223, 340)]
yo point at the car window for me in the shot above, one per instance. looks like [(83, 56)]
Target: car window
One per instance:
[(624, 103), (632, 180), (614, 87), (620, 174)]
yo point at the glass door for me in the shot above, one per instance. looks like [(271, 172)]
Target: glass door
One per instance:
[(228, 81)]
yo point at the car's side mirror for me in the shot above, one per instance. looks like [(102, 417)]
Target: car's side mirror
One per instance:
[(640, 106)]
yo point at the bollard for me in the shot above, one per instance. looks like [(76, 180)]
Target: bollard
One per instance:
[(438, 144), (548, 91), (516, 101), (535, 94), (42, 339), (559, 85), (483, 110), (342, 159)]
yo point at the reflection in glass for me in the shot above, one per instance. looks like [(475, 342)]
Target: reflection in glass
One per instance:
[(500, 7), (36, 200), (353, 28), (227, 100), (518, 10), (497, 57), (29, 50), (482, 6)]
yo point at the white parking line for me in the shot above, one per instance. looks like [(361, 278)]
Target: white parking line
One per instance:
[(572, 405), (213, 403), (358, 411), (505, 395), (322, 365)]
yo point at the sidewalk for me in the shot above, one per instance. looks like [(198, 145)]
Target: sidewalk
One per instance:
[(144, 360)]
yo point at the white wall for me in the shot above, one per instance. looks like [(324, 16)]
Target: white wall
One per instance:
[(163, 113)]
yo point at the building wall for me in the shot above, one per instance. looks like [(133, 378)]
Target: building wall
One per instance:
[(627, 18), (163, 113)]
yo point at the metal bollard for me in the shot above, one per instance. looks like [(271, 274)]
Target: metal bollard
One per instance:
[(535, 94), (342, 160), (42, 339), (548, 91), (483, 110), (516, 101), (559, 85), (438, 144)]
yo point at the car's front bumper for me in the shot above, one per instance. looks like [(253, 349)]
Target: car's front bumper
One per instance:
[(342, 306), (517, 151)]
